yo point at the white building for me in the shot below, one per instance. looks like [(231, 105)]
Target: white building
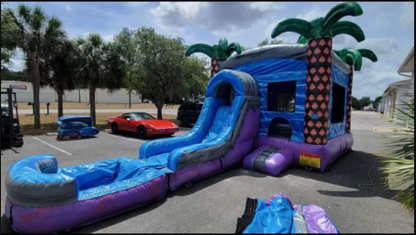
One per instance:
[(398, 93), (48, 95)]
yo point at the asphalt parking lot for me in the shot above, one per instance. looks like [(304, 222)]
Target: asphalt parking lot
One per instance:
[(214, 204)]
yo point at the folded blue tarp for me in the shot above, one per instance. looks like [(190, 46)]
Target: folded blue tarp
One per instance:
[(74, 125), (279, 215)]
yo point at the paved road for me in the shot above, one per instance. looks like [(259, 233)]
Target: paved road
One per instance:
[(214, 204), (165, 111)]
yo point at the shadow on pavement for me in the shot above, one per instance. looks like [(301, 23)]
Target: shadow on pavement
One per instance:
[(352, 170)]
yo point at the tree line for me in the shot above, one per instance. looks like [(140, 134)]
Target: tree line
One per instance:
[(140, 60), (359, 104)]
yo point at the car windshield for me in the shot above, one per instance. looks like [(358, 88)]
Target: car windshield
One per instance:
[(140, 116)]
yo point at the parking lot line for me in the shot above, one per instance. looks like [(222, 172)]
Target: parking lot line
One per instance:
[(53, 146), (119, 137)]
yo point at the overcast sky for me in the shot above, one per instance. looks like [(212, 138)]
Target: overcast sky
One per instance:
[(388, 26)]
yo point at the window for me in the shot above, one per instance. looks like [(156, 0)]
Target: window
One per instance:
[(183, 106), (338, 103), (281, 96), (141, 116), (126, 115), (192, 107)]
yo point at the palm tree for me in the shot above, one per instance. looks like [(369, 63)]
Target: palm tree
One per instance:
[(37, 33), (399, 160), (62, 67), (319, 33), (355, 60), (100, 66), (217, 53)]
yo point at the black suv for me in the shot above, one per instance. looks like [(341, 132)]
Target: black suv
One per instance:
[(188, 113)]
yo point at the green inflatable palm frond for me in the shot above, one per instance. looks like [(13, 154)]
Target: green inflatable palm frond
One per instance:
[(302, 40), (369, 54), (355, 57), (234, 46), (350, 28), (299, 26), (341, 10), (199, 47)]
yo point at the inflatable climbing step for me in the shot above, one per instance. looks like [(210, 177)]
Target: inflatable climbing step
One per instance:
[(269, 160)]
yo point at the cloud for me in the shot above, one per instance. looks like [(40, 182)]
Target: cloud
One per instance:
[(108, 38), (408, 15), (137, 4), (266, 6), (215, 16), (68, 8), (373, 82), (86, 34), (312, 14)]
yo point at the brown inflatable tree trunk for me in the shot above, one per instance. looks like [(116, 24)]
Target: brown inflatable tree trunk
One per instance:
[(318, 86), (349, 106), (215, 67)]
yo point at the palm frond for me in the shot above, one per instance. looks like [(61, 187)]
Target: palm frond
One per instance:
[(350, 28), (199, 47), (23, 12), (341, 10), (368, 54), (358, 59), (38, 18), (223, 44), (234, 46), (399, 161), (299, 26), (302, 40)]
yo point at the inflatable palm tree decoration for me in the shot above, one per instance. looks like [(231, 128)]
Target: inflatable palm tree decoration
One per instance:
[(217, 53), (355, 59), (318, 35)]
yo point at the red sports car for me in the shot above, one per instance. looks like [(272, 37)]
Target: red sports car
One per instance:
[(143, 124)]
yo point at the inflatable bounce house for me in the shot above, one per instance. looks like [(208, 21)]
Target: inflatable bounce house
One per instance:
[(76, 126), (267, 108)]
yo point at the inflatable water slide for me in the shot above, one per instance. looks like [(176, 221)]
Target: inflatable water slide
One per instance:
[(39, 193)]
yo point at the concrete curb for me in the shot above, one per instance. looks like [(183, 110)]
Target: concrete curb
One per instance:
[(52, 134)]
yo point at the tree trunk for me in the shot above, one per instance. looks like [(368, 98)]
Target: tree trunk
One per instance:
[(215, 67), (159, 105), (92, 103), (349, 105), (36, 87), (318, 87), (79, 95), (60, 103), (129, 100)]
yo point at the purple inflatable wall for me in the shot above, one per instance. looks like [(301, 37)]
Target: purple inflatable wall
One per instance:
[(80, 213), (316, 156), (242, 147)]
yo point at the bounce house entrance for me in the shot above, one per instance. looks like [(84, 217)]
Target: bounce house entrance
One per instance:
[(280, 127)]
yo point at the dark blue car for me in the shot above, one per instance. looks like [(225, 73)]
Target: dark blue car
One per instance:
[(76, 125)]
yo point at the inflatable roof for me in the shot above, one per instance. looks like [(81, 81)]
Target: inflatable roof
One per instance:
[(279, 51)]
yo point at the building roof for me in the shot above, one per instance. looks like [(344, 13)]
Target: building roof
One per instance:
[(408, 64), (404, 84)]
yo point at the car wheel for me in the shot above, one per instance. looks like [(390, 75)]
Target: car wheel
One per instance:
[(185, 122), (114, 128), (141, 132)]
